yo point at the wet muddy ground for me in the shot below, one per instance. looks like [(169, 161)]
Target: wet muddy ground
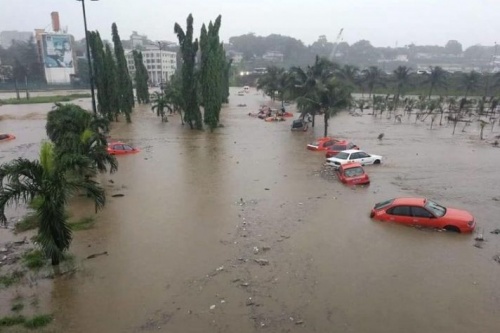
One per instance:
[(243, 230)]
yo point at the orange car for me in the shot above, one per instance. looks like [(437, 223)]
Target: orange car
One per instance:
[(352, 174), (120, 148), (7, 137), (340, 146), (424, 213), (322, 144)]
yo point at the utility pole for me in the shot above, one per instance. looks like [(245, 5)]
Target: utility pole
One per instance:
[(161, 66), (91, 75)]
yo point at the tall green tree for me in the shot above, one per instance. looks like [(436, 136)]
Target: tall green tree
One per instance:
[(141, 78), (125, 88), (211, 73), (436, 78), (188, 49), (111, 87), (46, 181)]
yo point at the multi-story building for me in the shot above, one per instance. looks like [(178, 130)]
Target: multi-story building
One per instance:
[(160, 64)]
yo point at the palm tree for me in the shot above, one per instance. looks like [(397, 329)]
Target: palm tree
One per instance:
[(328, 97), (269, 81), (350, 74), (436, 78), (46, 180), (401, 77), (159, 103), (372, 76), (470, 82), (76, 131)]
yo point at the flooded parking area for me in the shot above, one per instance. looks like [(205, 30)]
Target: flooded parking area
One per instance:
[(240, 231)]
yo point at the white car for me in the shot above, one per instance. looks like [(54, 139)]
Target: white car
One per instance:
[(352, 155)]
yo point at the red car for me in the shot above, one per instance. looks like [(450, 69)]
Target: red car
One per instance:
[(120, 148), (322, 143), (424, 213), (340, 146), (352, 174), (7, 137)]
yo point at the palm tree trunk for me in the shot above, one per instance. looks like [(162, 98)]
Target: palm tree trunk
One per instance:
[(55, 260), (430, 92), (326, 124)]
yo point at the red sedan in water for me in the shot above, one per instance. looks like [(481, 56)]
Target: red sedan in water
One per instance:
[(425, 213), (322, 144), (339, 146), (120, 148), (352, 174)]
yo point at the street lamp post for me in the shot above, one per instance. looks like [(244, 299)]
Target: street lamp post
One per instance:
[(91, 75)]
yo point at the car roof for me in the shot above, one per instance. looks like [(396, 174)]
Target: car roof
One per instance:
[(350, 151), (409, 201), (351, 165)]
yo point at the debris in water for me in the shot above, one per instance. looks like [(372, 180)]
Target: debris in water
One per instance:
[(118, 195), (266, 248), (249, 302), (497, 258), (255, 250), (111, 181), (495, 232), (97, 255), (267, 189), (478, 245), (299, 322), (218, 269), (479, 238), (245, 284), (212, 306), (262, 262)]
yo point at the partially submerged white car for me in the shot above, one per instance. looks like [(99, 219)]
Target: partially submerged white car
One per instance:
[(352, 155)]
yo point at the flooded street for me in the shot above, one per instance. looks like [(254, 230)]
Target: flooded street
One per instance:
[(237, 231)]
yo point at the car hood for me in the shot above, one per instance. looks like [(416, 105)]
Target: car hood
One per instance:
[(335, 159), (458, 215)]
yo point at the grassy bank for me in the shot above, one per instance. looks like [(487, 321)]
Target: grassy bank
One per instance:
[(44, 99)]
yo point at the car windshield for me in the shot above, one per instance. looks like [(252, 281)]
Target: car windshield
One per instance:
[(338, 147), (342, 156), (435, 208), (354, 172), (315, 143), (383, 204)]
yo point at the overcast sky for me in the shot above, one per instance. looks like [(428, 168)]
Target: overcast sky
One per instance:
[(382, 22)]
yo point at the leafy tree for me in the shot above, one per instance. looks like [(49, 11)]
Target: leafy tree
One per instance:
[(350, 75), (141, 78), (124, 83), (453, 47), (160, 103), (111, 87), (46, 181), (436, 78), (188, 49)]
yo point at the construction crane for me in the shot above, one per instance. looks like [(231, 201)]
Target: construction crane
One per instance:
[(334, 50)]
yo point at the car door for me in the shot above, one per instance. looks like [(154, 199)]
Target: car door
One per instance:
[(118, 149), (364, 158), (400, 214), (354, 157), (422, 217)]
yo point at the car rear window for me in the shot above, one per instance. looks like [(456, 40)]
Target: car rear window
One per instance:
[(339, 147), (342, 156), (354, 172), (383, 204)]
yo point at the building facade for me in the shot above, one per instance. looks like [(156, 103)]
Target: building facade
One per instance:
[(160, 64)]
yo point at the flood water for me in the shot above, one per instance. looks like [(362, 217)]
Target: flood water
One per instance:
[(199, 207)]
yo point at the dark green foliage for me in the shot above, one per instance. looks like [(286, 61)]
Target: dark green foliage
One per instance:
[(124, 83), (188, 49), (28, 222), (34, 259), (17, 307), (11, 321), (38, 321), (141, 78), (48, 179), (111, 85), (10, 279), (211, 73)]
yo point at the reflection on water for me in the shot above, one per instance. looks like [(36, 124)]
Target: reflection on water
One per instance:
[(180, 240)]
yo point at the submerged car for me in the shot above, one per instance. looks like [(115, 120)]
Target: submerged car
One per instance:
[(353, 155), (300, 125), (353, 174), (6, 137), (120, 148), (322, 144), (424, 213), (340, 146)]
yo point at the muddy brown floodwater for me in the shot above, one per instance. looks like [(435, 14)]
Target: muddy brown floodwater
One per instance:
[(237, 231)]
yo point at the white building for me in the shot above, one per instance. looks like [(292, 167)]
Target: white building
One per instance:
[(160, 64)]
